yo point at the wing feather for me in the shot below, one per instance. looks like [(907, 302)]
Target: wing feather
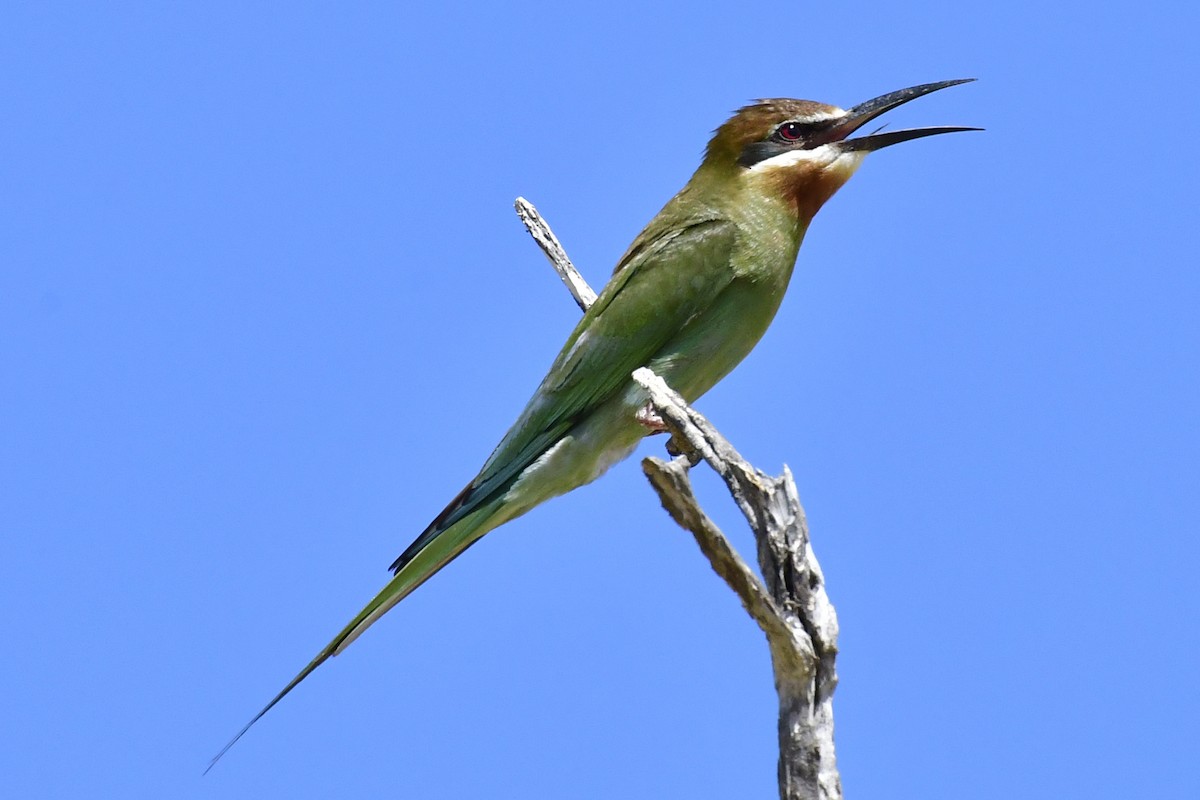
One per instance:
[(662, 282)]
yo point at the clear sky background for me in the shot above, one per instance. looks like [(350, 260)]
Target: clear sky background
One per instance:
[(265, 307)]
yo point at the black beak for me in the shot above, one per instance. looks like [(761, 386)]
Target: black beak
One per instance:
[(863, 113)]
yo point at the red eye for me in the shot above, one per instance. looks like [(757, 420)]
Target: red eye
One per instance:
[(789, 132)]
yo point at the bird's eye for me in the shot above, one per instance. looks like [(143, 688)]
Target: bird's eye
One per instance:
[(789, 132)]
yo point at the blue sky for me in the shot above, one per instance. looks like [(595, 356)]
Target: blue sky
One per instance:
[(265, 308)]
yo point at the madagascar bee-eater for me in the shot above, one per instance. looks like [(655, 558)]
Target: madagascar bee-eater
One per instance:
[(689, 299)]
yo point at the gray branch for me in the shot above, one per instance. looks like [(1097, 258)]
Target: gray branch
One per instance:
[(789, 604), (545, 238), (792, 607)]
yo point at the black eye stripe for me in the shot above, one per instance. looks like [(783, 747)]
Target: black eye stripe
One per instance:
[(761, 151), (788, 135)]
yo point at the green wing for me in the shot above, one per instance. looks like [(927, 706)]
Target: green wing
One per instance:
[(662, 282)]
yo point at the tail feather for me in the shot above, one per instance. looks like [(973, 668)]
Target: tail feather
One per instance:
[(434, 529), (437, 552)]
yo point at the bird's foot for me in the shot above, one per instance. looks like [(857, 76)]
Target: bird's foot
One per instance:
[(647, 417)]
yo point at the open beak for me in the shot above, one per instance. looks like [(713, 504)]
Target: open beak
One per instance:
[(863, 113)]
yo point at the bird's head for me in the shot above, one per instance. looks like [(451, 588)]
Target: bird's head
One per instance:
[(800, 150)]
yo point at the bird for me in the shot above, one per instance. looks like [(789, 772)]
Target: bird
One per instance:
[(689, 299)]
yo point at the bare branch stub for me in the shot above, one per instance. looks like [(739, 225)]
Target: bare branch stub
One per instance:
[(548, 242)]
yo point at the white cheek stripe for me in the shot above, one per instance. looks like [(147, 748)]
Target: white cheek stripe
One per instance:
[(821, 156)]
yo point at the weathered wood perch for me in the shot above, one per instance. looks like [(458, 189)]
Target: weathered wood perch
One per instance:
[(789, 603), (792, 608)]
